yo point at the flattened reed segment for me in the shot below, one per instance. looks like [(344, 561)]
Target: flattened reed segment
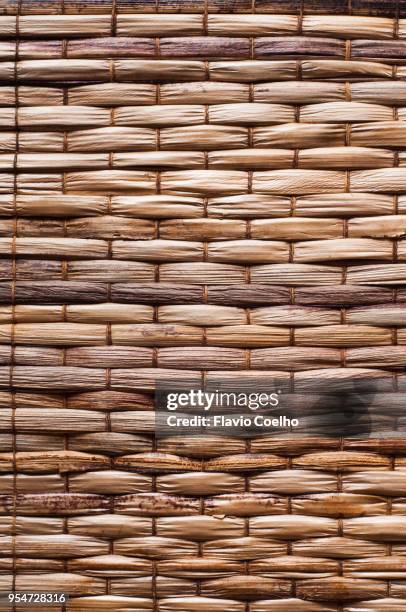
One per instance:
[(201, 190)]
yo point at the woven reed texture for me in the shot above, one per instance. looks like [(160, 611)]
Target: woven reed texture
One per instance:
[(199, 189)]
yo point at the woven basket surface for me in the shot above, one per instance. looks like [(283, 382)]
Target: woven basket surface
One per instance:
[(198, 189)]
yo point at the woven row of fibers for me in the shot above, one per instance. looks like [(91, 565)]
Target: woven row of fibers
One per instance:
[(200, 190)]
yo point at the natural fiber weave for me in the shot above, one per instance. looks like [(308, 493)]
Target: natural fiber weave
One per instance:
[(196, 189)]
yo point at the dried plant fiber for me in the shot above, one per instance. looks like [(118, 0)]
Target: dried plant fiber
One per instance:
[(198, 188)]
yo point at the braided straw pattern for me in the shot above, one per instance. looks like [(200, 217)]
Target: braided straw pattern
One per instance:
[(197, 189)]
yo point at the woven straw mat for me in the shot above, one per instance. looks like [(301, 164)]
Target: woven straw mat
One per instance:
[(199, 189)]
